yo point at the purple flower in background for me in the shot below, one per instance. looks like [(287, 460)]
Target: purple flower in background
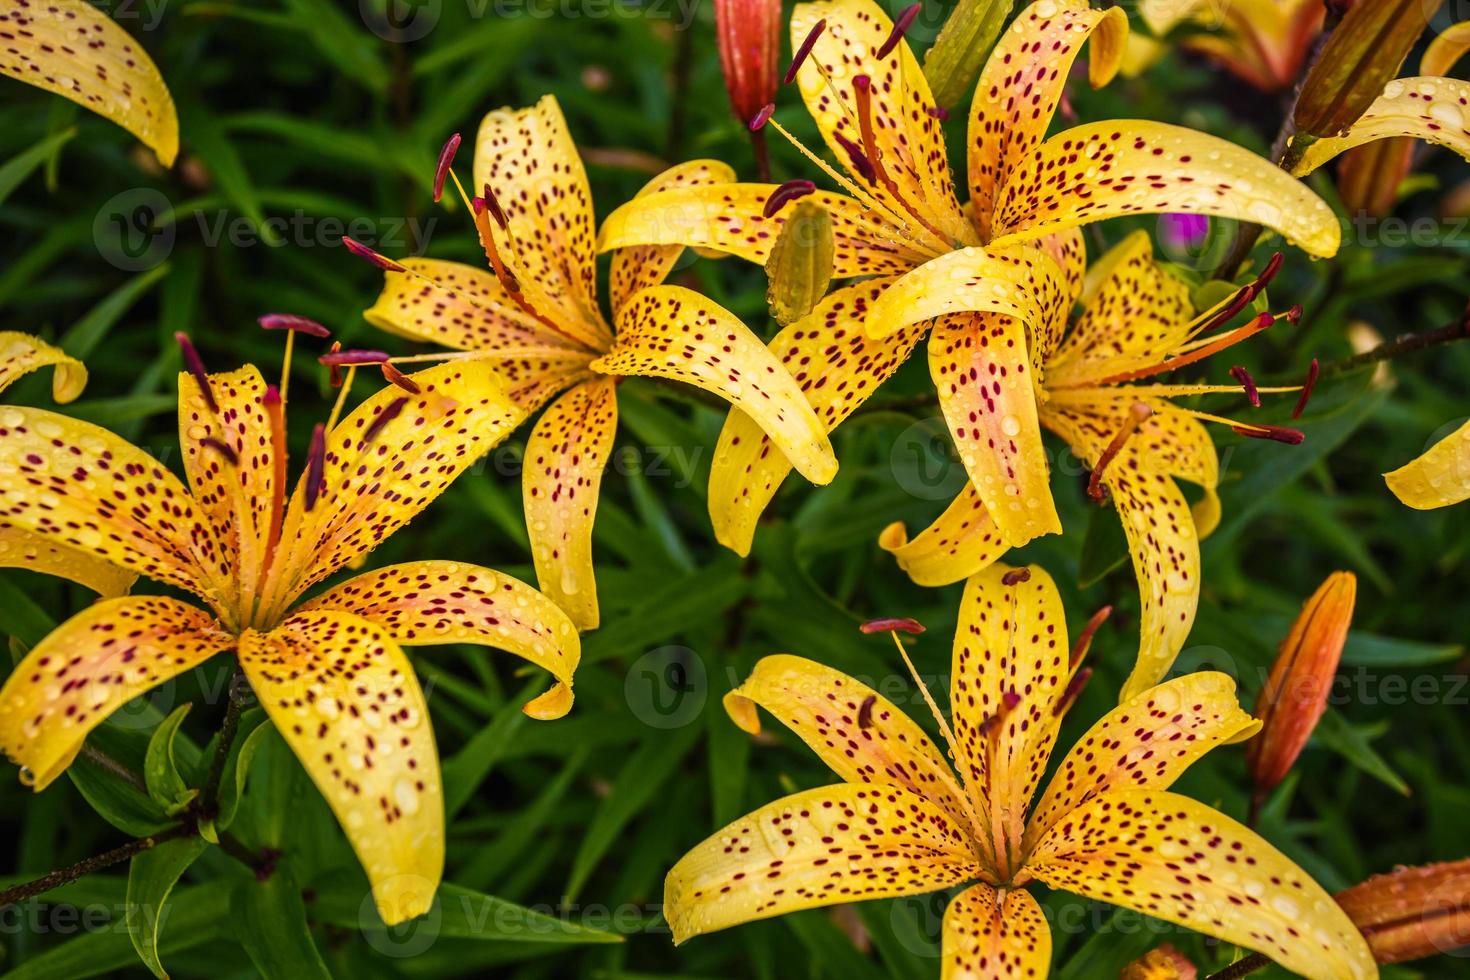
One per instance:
[(1183, 233)]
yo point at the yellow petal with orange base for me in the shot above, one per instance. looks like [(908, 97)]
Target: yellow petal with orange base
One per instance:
[(1438, 478), (995, 934), (565, 458), (344, 697), (960, 542), (425, 603), (72, 48), (1433, 109), (673, 332), (90, 666), (21, 353), (816, 848), (1176, 859)]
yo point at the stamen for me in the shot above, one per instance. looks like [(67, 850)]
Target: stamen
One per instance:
[(397, 377), (294, 323), (1137, 415), (1248, 383), (805, 49), (785, 194), (1276, 433), (899, 625), (1016, 576), (938, 112), (316, 461), (900, 26), (1084, 639), (1074, 687), (496, 211), (195, 366), (855, 156), (232, 457), (446, 159), (1307, 386), (865, 712), (390, 412), (1294, 315), (341, 397), (862, 87), (334, 375), (275, 411), (346, 357), (928, 698), (363, 252), (759, 120)]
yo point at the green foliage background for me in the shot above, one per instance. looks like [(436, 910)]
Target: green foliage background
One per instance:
[(297, 108)]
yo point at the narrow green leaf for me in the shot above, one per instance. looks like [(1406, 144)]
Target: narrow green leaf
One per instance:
[(166, 786), (270, 922), (23, 164), (23, 619), (226, 166), (468, 768), (84, 336), (1104, 549), (1352, 744), (151, 877), (345, 43), (252, 734), (119, 802), (686, 602)]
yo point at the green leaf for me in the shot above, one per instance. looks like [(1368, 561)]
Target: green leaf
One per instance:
[(20, 166), (467, 769), (686, 602), (346, 44), (270, 922), (828, 945), (1352, 744), (84, 336), (116, 800), (166, 786), (21, 617), (250, 736), (1104, 549), (226, 166), (151, 877)]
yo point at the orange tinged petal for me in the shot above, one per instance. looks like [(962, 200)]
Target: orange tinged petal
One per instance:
[(90, 666), (21, 353), (1445, 49), (1176, 859), (995, 934), (1295, 693), (837, 844), (962, 541), (565, 458), (344, 697), (1411, 913), (1438, 478)]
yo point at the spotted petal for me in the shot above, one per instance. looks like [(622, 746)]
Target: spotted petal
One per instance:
[(838, 367), (673, 332), (344, 697), (1145, 743), (995, 934), (962, 541), (1175, 859), (91, 665), (1433, 109), (21, 353), (34, 552), (565, 458), (72, 48), (1438, 478), (424, 603), (856, 731), (837, 844), (1022, 85), (1131, 166)]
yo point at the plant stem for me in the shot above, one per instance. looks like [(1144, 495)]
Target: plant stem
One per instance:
[(113, 766), (62, 876), (1241, 968), (1459, 330), (762, 155), (228, 728)]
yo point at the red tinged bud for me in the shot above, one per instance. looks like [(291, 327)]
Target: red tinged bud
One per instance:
[(748, 33), (1295, 694), (1411, 913), (903, 625), (446, 160), (1368, 176), (1363, 55), (289, 321), (316, 464)]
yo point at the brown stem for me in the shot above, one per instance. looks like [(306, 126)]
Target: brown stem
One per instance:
[(1241, 968), (63, 876), (228, 728), (762, 155), (1459, 330)]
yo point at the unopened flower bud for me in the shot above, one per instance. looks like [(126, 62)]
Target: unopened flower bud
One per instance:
[(1164, 963), (1411, 913), (1363, 55), (800, 264)]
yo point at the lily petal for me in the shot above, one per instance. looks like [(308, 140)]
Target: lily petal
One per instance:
[(75, 50), (91, 665), (1445, 49), (344, 697), (837, 844), (1069, 250), (424, 603), (730, 218), (838, 367), (673, 332), (1022, 84), (962, 541), (1176, 859), (34, 552), (21, 353), (1433, 109), (995, 934), (860, 734), (1132, 166), (565, 458), (641, 266), (1145, 743), (1438, 478)]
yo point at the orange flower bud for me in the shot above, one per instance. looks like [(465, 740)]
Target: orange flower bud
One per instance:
[(1295, 694), (1411, 913), (749, 34), (1164, 963), (1363, 55), (1368, 176)]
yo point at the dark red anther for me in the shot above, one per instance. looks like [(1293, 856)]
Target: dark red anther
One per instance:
[(232, 457), (477, 204), (938, 112), (1248, 383), (1016, 576), (1084, 639), (290, 321), (785, 194), (316, 463), (859, 159), (1074, 687), (441, 170), (493, 203), (898, 625), (759, 120), (1267, 274), (351, 358), (899, 27), (1008, 702), (1276, 433), (1307, 386), (194, 364), (1294, 315), (390, 412), (397, 377), (360, 250), (865, 711), (334, 374), (801, 52)]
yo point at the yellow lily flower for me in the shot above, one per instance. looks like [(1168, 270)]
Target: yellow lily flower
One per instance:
[(1264, 42), (904, 822), (870, 100), (1137, 322), (72, 48), (331, 673), (535, 321)]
